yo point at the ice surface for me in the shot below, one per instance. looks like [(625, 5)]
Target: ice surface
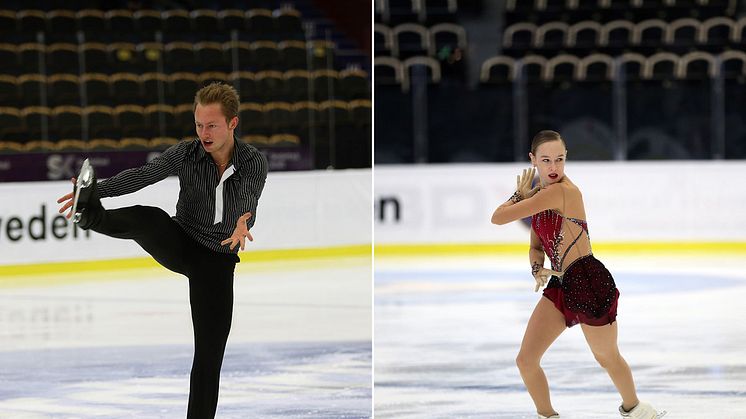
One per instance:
[(119, 344), (447, 331)]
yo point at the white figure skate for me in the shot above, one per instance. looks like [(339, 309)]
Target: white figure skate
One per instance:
[(84, 191), (549, 417), (642, 411)]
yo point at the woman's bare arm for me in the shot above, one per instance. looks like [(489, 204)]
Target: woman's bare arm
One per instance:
[(547, 198)]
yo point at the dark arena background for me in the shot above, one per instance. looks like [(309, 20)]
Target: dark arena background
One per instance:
[(116, 81), (649, 97), (92, 326), (623, 80)]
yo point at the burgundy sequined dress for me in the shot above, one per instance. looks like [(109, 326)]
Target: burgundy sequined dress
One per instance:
[(586, 293)]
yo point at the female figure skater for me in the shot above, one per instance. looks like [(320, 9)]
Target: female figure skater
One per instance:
[(581, 290), (220, 180)]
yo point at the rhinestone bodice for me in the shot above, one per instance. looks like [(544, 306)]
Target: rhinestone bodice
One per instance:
[(549, 227)]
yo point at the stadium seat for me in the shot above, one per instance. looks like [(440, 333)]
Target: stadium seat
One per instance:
[(210, 56), (733, 64), (31, 87), (63, 89), (269, 85), (120, 21), (595, 68), (92, 22), (182, 87), (410, 39), (661, 66), (153, 85), (9, 58), (204, 21), (325, 84), (126, 88), (8, 91), (498, 69), (232, 20), (633, 65), (67, 121), (296, 85), (389, 71), (29, 54), (697, 65), (561, 67), (293, 55), (617, 34), (245, 84), (446, 35), (383, 39), (101, 122), (551, 35), (147, 20), (519, 35), (353, 84)]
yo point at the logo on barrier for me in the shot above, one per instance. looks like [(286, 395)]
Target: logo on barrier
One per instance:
[(385, 204), (39, 226)]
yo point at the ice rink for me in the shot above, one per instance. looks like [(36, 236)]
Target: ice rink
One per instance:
[(119, 344), (447, 331)]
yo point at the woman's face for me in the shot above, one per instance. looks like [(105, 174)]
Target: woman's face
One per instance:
[(550, 161)]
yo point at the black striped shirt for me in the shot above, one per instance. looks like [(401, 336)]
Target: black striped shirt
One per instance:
[(199, 184)]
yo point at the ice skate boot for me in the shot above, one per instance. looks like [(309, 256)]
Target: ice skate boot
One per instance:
[(85, 198), (557, 416), (642, 411)]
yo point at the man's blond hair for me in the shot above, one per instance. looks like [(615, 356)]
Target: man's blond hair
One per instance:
[(221, 93)]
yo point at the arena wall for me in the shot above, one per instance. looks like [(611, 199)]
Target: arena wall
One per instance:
[(298, 211)]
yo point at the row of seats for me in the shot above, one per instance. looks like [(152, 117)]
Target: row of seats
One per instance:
[(134, 120), (696, 65), (432, 11), (34, 57), (261, 23), (597, 67), (410, 39), (131, 143), (687, 32), (153, 88), (541, 11)]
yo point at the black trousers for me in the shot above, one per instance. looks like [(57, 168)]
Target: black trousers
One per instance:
[(210, 290)]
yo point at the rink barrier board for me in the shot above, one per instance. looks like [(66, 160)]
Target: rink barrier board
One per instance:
[(627, 248), (147, 262)]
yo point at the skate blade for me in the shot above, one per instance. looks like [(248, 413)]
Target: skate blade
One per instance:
[(660, 415), (84, 180)]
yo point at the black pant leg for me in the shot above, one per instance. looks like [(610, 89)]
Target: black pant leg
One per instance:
[(153, 229), (211, 300)]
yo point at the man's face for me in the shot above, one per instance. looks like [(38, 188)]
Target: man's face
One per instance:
[(212, 129)]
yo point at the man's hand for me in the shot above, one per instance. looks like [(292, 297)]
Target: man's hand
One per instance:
[(68, 204), (240, 233)]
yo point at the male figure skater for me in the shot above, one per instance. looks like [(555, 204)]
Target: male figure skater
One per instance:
[(221, 180)]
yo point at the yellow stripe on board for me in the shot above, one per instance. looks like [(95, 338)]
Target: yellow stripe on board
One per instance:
[(485, 249), (147, 262)]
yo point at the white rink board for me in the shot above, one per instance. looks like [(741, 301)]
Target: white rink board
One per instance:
[(624, 201), (297, 210)]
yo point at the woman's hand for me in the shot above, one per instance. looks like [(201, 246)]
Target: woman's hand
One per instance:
[(523, 184), (543, 275), (240, 233)]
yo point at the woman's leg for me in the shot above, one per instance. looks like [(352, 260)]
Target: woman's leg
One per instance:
[(152, 228), (211, 300), (603, 343), (544, 326)]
